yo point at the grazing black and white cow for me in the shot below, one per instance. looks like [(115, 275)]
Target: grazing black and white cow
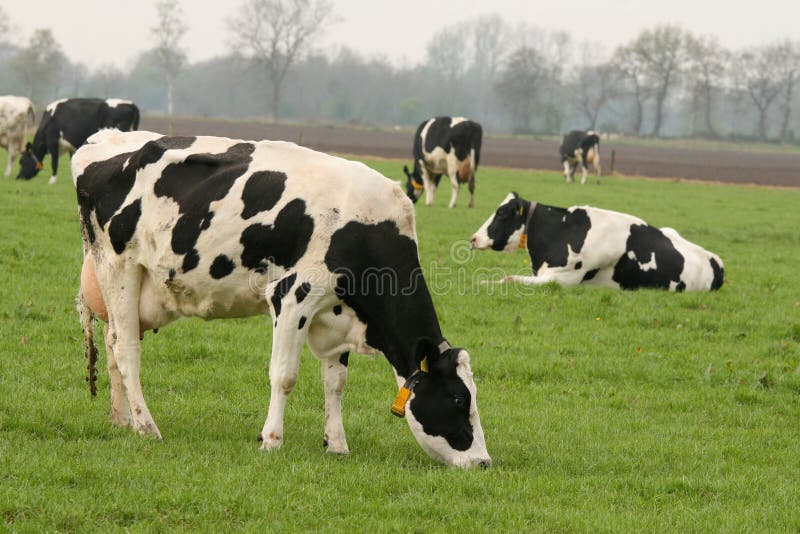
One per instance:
[(445, 145), (580, 148), (215, 228), (16, 116), (68, 123), (586, 245)]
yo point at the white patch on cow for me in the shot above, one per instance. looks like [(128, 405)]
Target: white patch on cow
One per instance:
[(114, 102), (644, 266), (51, 107), (456, 120)]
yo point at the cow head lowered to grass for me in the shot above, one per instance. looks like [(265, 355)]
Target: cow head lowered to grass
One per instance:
[(215, 228), (587, 245)]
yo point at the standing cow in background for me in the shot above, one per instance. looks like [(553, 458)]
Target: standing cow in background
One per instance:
[(580, 148), (16, 116), (586, 245), (68, 123), (445, 145)]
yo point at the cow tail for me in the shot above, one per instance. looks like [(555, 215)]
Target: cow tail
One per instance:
[(135, 123), (87, 322), (31, 116)]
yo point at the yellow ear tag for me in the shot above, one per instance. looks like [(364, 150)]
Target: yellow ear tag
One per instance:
[(523, 240), (416, 186), (39, 166), (423, 365), (520, 211), (399, 404)]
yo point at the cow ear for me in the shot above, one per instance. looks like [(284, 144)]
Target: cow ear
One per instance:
[(405, 170), (426, 350), (28, 147)]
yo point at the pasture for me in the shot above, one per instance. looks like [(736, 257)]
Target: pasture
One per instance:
[(603, 410)]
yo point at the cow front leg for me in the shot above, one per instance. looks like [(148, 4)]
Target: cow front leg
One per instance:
[(430, 188), (453, 193), (120, 408), (334, 377), (288, 337), (568, 172), (54, 164), (12, 153)]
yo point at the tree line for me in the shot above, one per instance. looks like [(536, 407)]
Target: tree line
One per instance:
[(514, 78)]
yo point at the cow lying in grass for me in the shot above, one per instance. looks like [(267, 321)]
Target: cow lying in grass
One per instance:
[(212, 227), (586, 245)]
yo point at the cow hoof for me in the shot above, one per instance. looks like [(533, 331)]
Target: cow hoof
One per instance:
[(335, 447), (149, 429), (269, 442), (52, 180)]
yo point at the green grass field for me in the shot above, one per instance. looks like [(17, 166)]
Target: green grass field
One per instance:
[(603, 410)]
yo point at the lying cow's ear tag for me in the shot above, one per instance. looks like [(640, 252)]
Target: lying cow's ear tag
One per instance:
[(39, 166), (399, 404), (423, 365), (523, 240), (520, 210)]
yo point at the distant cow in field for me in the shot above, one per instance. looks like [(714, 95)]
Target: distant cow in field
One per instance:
[(68, 123), (16, 116), (586, 245), (580, 148), (215, 228), (444, 145)]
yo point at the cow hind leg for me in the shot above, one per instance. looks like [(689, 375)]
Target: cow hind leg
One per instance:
[(334, 377), (583, 174), (120, 408), (122, 300)]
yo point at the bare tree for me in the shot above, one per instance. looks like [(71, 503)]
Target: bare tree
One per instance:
[(38, 65), (632, 68), (707, 62), (274, 34), (758, 72), (596, 86), (787, 55), (167, 34), (490, 43), (521, 83), (661, 51), (5, 25)]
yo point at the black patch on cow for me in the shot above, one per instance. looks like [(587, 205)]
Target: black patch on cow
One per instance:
[(104, 185), (302, 323), (381, 279), (344, 359), (123, 225), (190, 260), (578, 265), (719, 274), (590, 274), (281, 290), (282, 243), (262, 191), (194, 184), (337, 310), (221, 267), (552, 230), (437, 134), (302, 292), (646, 242)]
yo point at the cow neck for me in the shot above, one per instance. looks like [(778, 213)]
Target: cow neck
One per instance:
[(526, 228), (400, 338), (39, 146)]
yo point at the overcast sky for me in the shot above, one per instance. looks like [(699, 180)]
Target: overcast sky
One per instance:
[(99, 32)]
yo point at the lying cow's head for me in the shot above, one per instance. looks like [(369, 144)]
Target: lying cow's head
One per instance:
[(414, 186), (442, 410), (29, 164), (505, 228)]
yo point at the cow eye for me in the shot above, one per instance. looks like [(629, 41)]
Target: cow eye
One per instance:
[(460, 401)]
